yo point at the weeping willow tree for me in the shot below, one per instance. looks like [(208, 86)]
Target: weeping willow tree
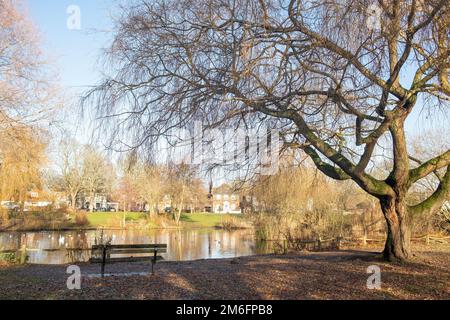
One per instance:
[(337, 78), (26, 99), (22, 156), (26, 94)]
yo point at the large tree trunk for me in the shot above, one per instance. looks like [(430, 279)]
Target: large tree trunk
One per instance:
[(91, 202), (397, 247), (151, 209), (73, 204), (178, 213)]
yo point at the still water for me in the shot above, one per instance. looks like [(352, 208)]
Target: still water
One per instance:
[(56, 247)]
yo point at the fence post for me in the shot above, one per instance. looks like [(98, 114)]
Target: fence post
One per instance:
[(337, 243), (23, 254), (319, 244)]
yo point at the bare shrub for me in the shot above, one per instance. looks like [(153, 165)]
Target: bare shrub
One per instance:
[(232, 223), (81, 219)]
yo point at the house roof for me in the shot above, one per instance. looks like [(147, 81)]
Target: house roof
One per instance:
[(223, 189)]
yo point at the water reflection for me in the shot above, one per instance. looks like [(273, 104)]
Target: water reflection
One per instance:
[(187, 244)]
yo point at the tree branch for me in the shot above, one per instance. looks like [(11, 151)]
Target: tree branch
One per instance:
[(428, 167), (327, 169), (436, 200)]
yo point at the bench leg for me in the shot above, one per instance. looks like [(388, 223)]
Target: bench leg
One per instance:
[(154, 260), (103, 261)]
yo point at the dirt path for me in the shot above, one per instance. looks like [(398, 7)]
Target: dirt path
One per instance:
[(327, 275)]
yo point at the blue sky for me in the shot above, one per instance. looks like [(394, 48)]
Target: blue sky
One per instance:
[(76, 52)]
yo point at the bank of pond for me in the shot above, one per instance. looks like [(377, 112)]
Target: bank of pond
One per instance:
[(61, 247), (58, 221)]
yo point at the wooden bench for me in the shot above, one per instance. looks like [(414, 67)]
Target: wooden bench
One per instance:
[(126, 253)]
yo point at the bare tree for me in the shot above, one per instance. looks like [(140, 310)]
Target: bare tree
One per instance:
[(150, 185), (143, 182), (181, 185), (25, 92), (329, 74), (97, 174), (71, 170), (125, 193)]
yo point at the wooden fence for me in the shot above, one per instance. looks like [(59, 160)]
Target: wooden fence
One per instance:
[(313, 245), (282, 246), (427, 239)]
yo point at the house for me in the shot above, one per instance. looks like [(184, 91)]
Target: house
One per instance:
[(101, 202), (224, 200), (191, 204), (36, 200)]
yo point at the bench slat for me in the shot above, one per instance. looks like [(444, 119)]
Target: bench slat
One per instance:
[(125, 259), (127, 251), (137, 246), (134, 246)]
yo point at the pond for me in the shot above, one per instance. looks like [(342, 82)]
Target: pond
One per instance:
[(56, 247)]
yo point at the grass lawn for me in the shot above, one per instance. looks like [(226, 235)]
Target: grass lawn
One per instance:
[(98, 219), (203, 219), (193, 220)]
